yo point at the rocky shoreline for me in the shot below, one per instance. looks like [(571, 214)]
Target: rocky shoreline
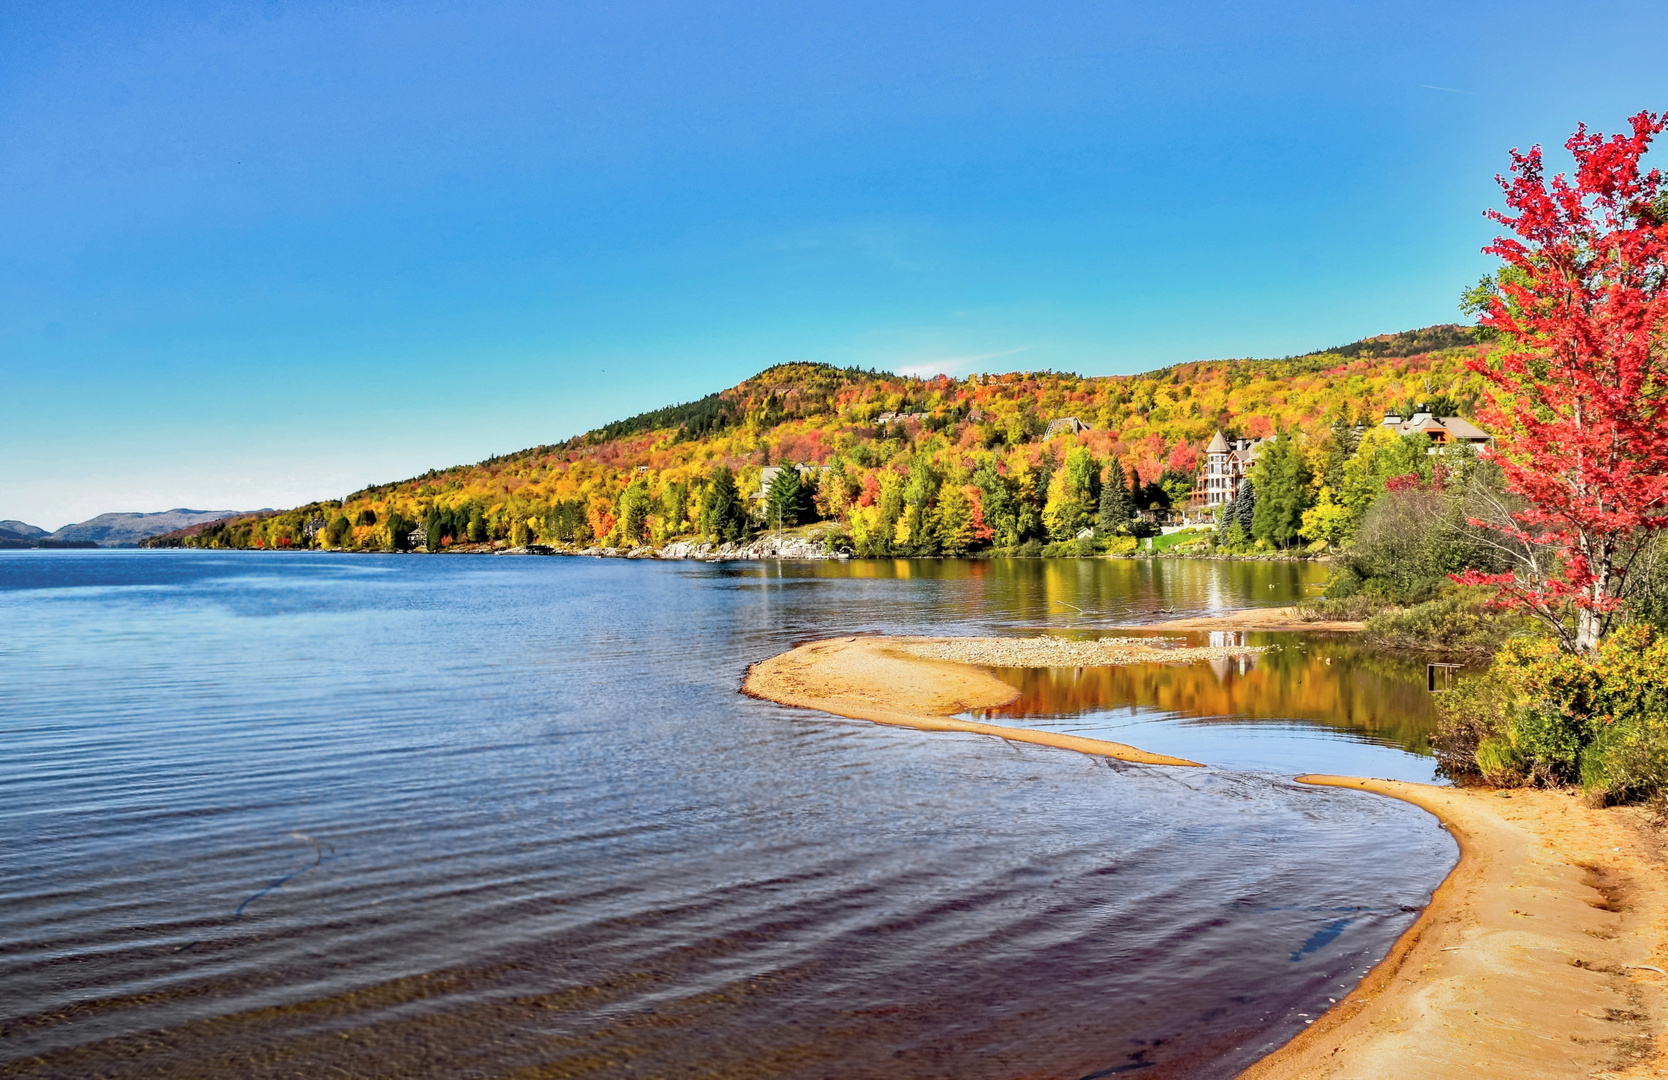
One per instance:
[(796, 548), (769, 548)]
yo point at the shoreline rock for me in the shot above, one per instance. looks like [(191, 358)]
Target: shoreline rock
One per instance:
[(700, 551)]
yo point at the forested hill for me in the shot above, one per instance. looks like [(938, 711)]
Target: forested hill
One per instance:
[(885, 446)]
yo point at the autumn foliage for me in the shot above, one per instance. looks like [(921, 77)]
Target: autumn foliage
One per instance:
[(908, 465), (1576, 398)]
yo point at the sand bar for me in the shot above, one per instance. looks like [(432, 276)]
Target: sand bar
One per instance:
[(880, 679), (1281, 619), (1542, 955)]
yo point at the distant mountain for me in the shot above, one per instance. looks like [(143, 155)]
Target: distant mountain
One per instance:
[(120, 530), (18, 530)]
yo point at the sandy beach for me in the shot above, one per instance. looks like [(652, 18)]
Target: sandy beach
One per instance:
[(1281, 619), (1543, 954), (887, 681)]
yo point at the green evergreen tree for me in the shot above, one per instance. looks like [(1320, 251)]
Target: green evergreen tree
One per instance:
[(1344, 442), (1282, 478), (398, 530), (723, 517), (1245, 506), (782, 500), (1116, 508)]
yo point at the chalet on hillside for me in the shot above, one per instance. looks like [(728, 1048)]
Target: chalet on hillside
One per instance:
[(1442, 430), (1065, 425)]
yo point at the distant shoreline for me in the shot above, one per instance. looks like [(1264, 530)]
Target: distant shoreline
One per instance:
[(767, 550)]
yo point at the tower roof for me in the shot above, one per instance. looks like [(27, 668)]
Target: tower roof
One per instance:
[(1218, 445)]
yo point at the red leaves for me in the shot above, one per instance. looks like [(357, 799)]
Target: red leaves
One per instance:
[(871, 491), (976, 500), (1579, 399)]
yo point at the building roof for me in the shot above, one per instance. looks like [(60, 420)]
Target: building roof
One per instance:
[(1066, 423), (1464, 429), (1424, 423), (1218, 445)]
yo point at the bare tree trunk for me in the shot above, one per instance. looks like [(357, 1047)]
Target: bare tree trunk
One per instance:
[(1587, 631), (1589, 624)]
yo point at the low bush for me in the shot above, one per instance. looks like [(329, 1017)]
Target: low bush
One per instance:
[(1339, 609), (1544, 717), (1457, 622)]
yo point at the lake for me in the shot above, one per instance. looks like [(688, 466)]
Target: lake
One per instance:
[(308, 814)]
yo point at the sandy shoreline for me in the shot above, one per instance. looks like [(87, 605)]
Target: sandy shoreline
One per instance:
[(1281, 619), (1537, 956), (879, 679), (1525, 964)]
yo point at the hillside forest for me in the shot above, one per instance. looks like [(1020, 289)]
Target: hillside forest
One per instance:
[(898, 466)]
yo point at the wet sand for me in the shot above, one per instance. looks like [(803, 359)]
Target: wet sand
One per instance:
[(1274, 619), (1542, 955), (1528, 962)]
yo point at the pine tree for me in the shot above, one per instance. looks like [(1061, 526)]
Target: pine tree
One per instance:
[(782, 500), (1117, 508), (1344, 442), (723, 517), (1245, 505)]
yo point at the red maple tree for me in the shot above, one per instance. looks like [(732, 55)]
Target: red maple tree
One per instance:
[(1578, 395)]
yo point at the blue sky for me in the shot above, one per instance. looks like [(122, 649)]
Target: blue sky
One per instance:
[(255, 254)]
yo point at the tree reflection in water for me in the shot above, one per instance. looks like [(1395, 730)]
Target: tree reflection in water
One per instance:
[(1325, 680)]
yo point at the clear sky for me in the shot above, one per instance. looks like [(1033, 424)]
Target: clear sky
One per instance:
[(256, 254)]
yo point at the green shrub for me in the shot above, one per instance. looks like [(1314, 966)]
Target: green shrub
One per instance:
[(1550, 741), (1499, 761), (1460, 621), (1468, 716), (1339, 609), (1546, 717)]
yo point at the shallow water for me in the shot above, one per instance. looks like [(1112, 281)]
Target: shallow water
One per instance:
[(1316, 700), (268, 815)]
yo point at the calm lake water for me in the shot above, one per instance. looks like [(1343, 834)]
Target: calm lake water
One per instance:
[(312, 815)]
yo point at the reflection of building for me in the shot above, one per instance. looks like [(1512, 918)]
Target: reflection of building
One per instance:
[(1441, 430), (1225, 465)]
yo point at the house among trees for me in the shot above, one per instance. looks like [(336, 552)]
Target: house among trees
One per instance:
[(1224, 466), (767, 476), (1065, 425), (1442, 430)]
